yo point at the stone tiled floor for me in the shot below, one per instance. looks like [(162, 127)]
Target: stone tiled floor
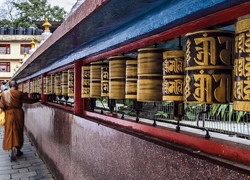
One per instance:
[(27, 167)]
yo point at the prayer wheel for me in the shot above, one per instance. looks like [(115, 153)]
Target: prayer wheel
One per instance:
[(131, 79), (39, 85), (85, 82), (105, 80), (64, 83), (173, 75), (58, 90), (117, 76), (241, 85), (149, 85), (209, 57), (52, 84), (71, 82), (46, 85), (31, 87), (95, 80)]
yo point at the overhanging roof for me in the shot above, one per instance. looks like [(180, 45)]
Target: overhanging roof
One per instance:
[(99, 28)]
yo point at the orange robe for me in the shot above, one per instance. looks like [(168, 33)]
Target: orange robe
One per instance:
[(14, 118)]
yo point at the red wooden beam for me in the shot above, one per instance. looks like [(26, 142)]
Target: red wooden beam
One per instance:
[(78, 104), (230, 14), (70, 66)]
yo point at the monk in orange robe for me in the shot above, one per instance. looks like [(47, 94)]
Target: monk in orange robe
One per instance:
[(11, 102)]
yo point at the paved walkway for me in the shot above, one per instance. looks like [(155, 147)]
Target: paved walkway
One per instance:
[(27, 167)]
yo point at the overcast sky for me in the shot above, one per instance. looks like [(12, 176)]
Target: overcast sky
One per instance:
[(66, 4)]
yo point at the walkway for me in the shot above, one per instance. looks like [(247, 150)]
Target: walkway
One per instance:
[(27, 167)]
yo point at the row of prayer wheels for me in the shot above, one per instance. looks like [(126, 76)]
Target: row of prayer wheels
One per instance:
[(214, 69), (60, 83)]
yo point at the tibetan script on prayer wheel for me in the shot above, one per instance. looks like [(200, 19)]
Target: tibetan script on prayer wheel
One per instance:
[(209, 65), (173, 75), (241, 88), (85, 82), (105, 80), (71, 82)]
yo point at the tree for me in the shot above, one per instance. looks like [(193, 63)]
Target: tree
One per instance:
[(22, 13)]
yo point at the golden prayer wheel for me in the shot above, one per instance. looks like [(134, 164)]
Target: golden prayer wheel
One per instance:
[(64, 83), (209, 57), (46, 85), (173, 75), (58, 90), (71, 82), (105, 80), (241, 90), (85, 82), (52, 84), (117, 76), (149, 85), (131, 79), (95, 80)]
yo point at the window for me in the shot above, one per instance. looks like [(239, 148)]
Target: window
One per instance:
[(4, 66), (4, 48), (25, 48)]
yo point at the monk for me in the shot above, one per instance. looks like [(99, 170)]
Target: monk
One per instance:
[(11, 102)]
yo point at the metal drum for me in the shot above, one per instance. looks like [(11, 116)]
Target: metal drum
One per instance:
[(105, 80), (173, 75), (46, 85), (241, 88), (117, 76), (58, 90), (149, 85), (52, 84), (85, 82), (131, 79), (64, 83), (71, 82), (95, 80), (209, 57)]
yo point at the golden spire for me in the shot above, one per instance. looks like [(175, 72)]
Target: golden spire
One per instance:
[(20, 61), (46, 25), (24, 54), (32, 44)]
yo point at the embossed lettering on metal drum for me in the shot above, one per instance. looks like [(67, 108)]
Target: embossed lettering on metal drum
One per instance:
[(71, 82), (95, 80), (58, 89), (149, 84), (208, 71), (173, 75), (131, 79), (241, 88), (105, 80), (85, 82), (52, 84), (46, 85), (64, 83), (117, 76)]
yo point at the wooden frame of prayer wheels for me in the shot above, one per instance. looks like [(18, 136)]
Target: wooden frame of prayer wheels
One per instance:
[(241, 90), (95, 79), (117, 75), (105, 80), (85, 92), (173, 75), (209, 57), (131, 79), (149, 84), (71, 82)]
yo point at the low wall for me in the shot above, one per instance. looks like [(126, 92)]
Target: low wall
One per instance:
[(75, 148)]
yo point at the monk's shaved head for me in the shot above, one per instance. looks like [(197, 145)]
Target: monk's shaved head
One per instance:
[(13, 84)]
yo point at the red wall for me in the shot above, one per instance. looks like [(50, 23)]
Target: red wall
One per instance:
[(76, 148)]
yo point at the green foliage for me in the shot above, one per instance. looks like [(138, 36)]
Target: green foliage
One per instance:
[(34, 10), (192, 110), (162, 113)]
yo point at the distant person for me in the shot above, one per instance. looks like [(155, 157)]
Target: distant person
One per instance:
[(11, 102)]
